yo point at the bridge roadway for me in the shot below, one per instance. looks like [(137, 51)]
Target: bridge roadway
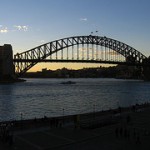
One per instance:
[(80, 61)]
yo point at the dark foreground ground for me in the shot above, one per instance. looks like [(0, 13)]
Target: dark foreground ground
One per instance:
[(121, 129)]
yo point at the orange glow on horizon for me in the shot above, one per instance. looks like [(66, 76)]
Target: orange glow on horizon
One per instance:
[(55, 66)]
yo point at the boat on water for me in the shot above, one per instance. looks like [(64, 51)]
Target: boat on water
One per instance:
[(68, 82)]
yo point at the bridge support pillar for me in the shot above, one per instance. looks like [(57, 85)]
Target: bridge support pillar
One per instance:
[(7, 69), (146, 69), (146, 73)]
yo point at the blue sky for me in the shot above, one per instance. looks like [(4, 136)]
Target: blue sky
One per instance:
[(27, 24)]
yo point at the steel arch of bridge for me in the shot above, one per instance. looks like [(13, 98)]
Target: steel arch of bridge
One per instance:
[(25, 60)]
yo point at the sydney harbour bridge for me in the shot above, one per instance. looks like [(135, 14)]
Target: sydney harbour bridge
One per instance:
[(82, 49)]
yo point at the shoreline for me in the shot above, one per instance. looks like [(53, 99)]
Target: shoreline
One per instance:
[(11, 81), (84, 119)]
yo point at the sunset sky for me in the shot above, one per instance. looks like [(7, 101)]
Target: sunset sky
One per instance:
[(29, 23)]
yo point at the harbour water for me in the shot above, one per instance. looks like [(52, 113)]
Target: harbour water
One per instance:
[(48, 97)]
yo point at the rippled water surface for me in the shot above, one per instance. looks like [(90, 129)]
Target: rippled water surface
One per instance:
[(39, 97)]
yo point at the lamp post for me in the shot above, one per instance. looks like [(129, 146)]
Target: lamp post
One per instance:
[(94, 111), (21, 117), (63, 114)]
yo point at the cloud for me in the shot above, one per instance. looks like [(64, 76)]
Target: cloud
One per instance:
[(21, 28), (3, 30), (83, 19), (42, 41)]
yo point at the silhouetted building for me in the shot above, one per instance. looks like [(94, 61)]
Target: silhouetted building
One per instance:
[(7, 69)]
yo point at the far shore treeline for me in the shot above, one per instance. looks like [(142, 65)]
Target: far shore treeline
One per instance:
[(119, 71)]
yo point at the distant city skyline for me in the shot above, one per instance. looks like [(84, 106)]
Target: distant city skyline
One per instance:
[(30, 23)]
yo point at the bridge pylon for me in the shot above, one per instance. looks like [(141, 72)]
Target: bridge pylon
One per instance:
[(146, 69), (7, 69)]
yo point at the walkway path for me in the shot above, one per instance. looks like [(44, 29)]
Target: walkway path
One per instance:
[(131, 131)]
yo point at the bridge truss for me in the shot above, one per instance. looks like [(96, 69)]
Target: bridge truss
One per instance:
[(82, 49)]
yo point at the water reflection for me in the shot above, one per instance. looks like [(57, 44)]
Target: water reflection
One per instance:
[(7, 108)]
